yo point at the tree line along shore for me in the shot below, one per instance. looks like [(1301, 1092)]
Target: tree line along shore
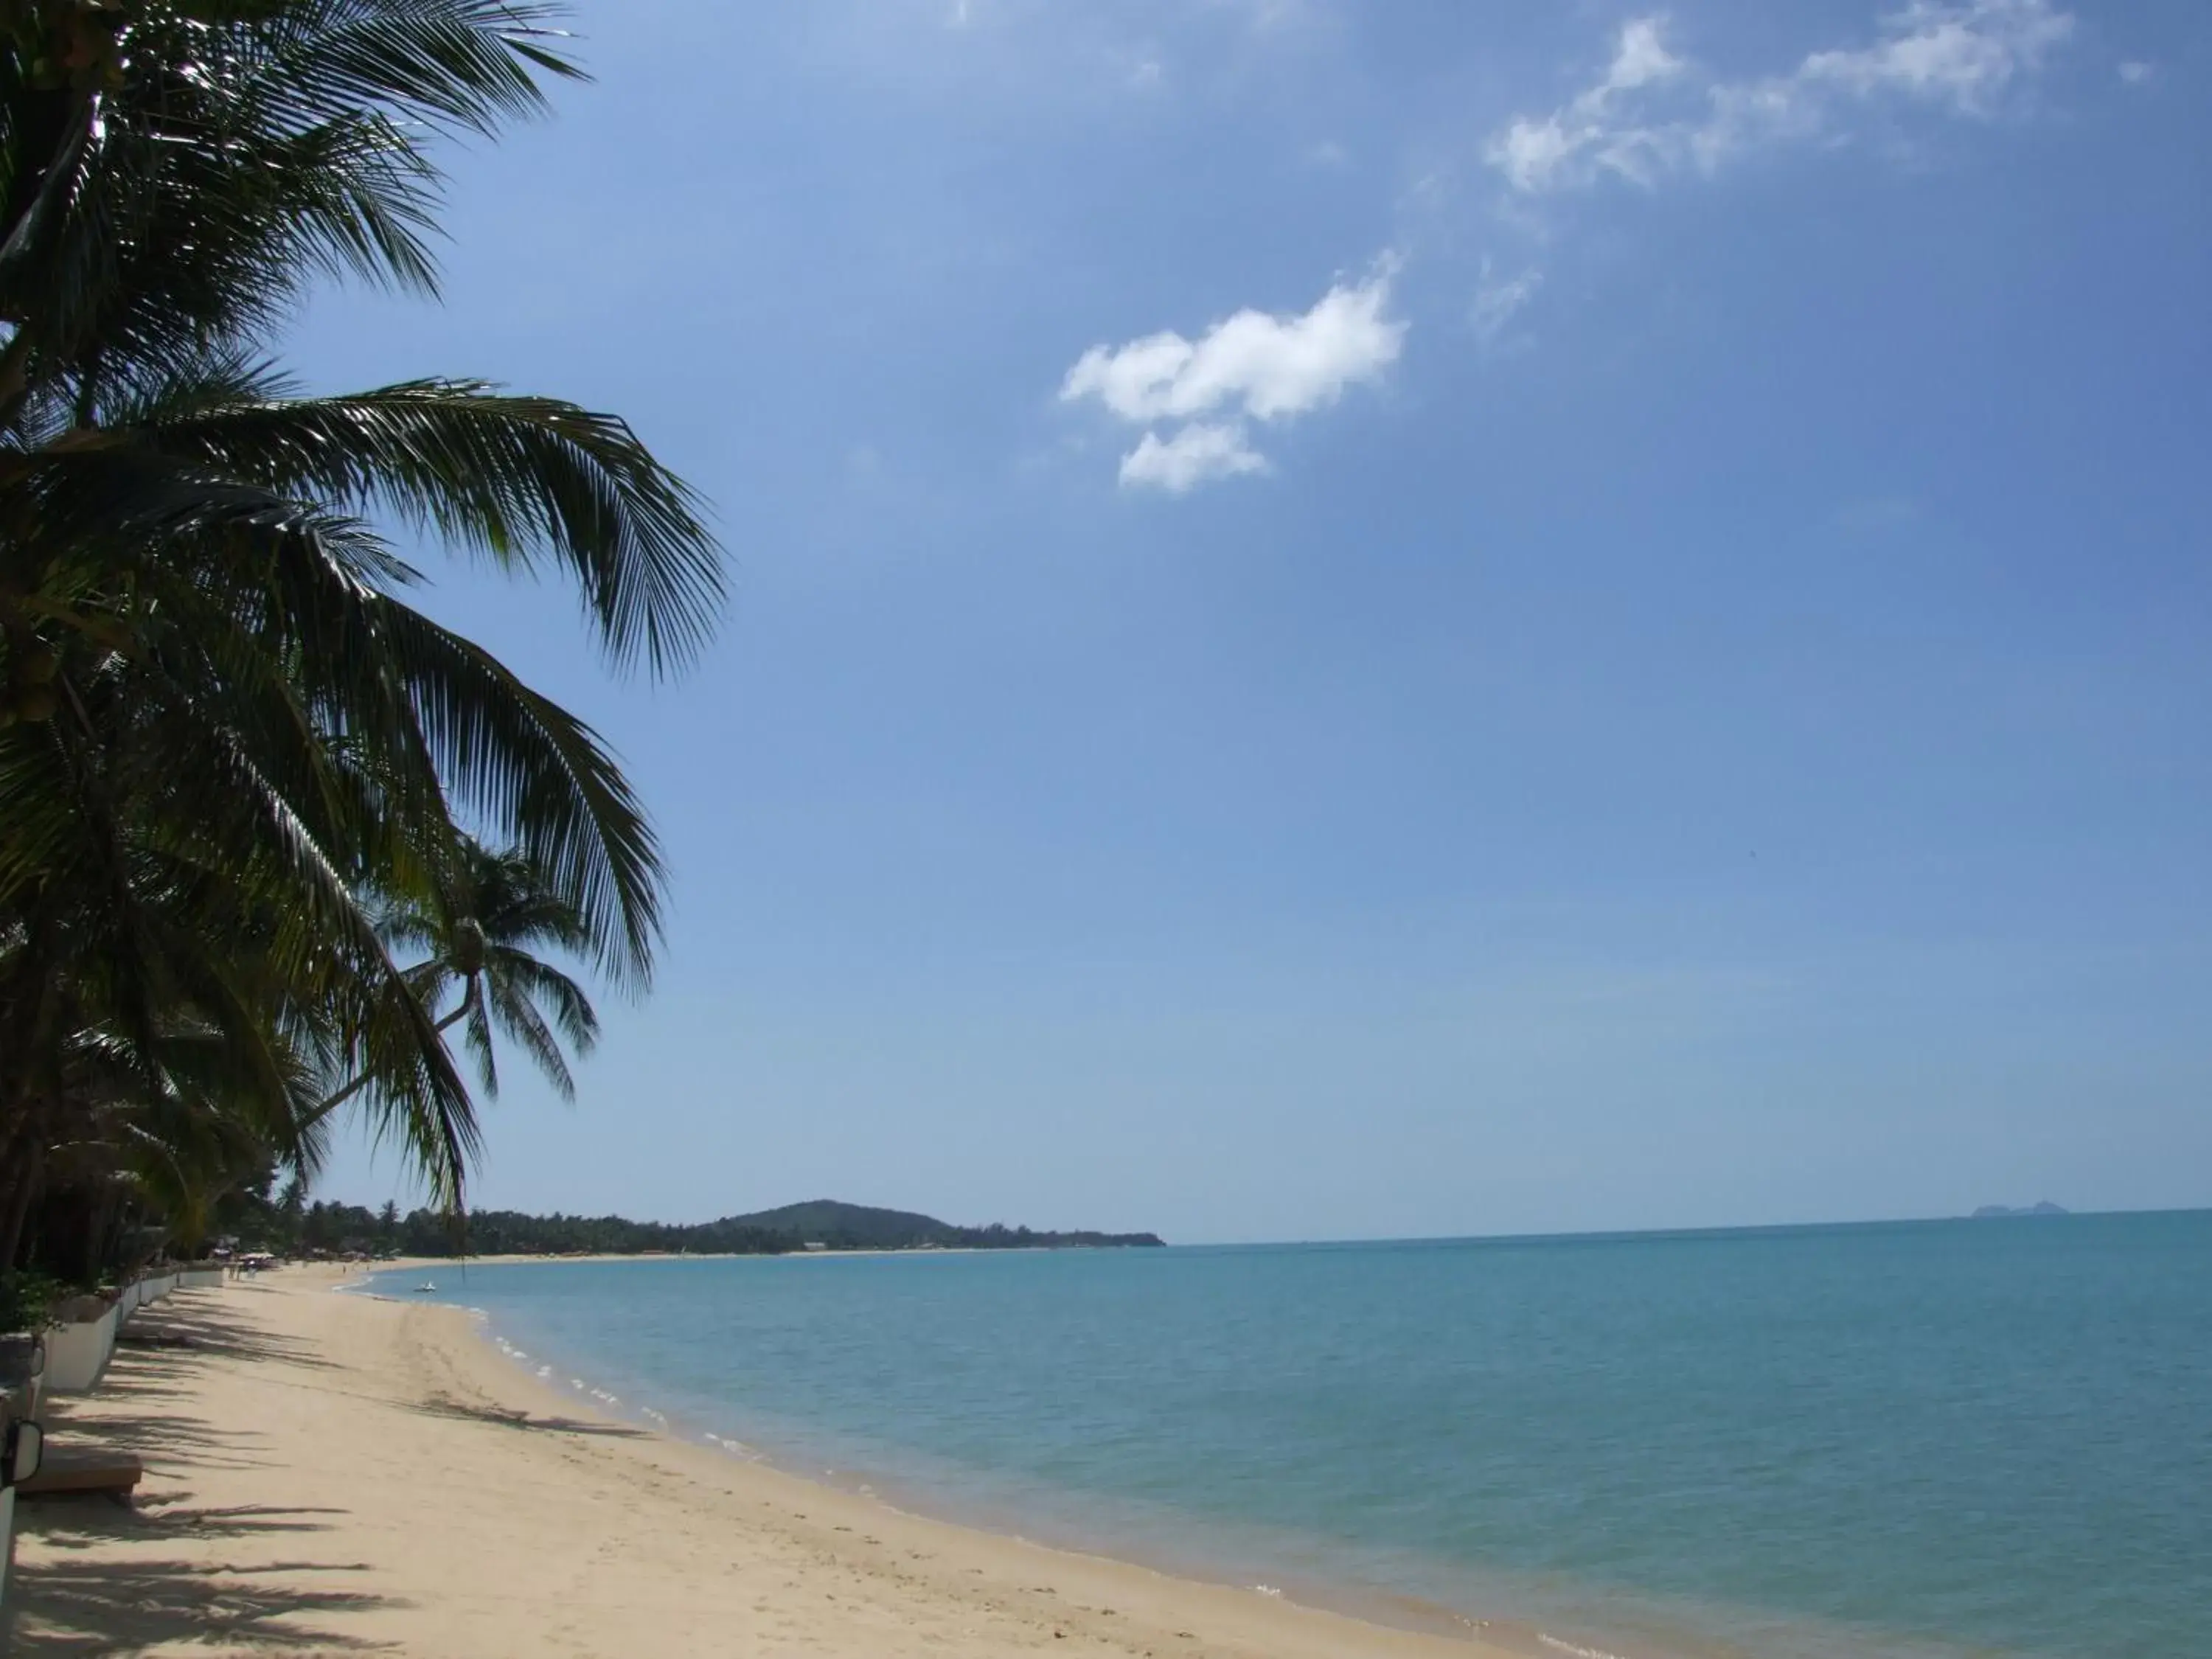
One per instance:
[(327, 1229)]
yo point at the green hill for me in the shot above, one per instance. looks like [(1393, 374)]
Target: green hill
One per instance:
[(860, 1227), (820, 1221)]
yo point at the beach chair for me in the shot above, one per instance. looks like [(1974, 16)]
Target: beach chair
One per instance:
[(62, 1471)]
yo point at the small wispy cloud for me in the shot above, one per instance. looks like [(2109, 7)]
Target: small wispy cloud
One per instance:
[(1498, 300), (2134, 72), (1256, 365), (1075, 55), (1588, 131), (1650, 114), (1267, 15), (1198, 454)]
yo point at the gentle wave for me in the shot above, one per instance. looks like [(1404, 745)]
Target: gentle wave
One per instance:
[(1553, 1642)]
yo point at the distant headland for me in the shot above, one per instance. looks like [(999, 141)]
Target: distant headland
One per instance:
[(2003, 1212), (822, 1224)]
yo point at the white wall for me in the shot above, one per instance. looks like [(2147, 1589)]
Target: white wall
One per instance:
[(77, 1354)]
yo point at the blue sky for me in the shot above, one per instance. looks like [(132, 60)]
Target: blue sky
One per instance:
[(1368, 619)]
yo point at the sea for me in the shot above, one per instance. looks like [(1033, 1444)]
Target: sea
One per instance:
[(1928, 1440)]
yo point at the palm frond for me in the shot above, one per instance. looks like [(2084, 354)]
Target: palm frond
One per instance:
[(539, 983), (524, 1025), (521, 479)]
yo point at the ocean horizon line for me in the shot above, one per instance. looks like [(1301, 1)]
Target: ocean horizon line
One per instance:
[(1597, 1235)]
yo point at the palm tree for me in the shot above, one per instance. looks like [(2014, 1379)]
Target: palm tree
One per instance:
[(483, 933), (249, 729), (157, 1087), (483, 929), (224, 735)]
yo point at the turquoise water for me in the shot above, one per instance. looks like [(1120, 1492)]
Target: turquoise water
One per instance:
[(1949, 1437)]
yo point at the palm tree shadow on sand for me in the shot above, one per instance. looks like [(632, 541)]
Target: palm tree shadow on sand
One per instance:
[(104, 1605), (105, 1583)]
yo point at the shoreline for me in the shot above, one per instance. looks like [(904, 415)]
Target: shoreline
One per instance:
[(1364, 1603), (1527, 1622), (1396, 1612), (296, 1440), (1208, 1555)]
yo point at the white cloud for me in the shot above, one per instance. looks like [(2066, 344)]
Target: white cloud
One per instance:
[(1640, 58), (1273, 366), (1533, 153), (1962, 55), (1640, 121), (1254, 365), (1499, 300), (1198, 454), (2134, 72)]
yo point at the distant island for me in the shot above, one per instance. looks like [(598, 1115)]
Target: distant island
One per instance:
[(2002, 1212), (822, 1224)]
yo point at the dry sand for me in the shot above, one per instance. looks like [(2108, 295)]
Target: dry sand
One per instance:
[(329, 1473)]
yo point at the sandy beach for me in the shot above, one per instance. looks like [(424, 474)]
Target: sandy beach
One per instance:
[(330, 1471)]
